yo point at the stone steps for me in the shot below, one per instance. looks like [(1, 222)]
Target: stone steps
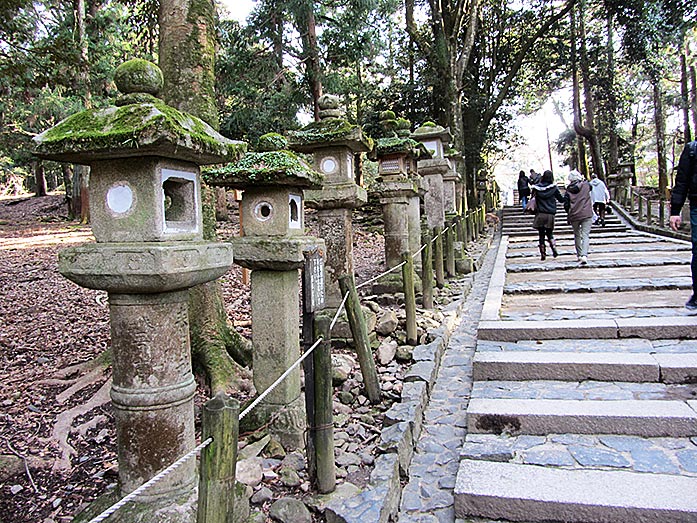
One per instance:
[(648, 418), (533, 493), (589, 419), (574, 366)]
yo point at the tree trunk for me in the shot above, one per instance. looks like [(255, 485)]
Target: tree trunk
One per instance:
[(588, 130), (693, 96), (67, 171), (659, 122), (684, 98), (187, 52), (39, 178), (306, 26), (81, 193), (613, 148), (83, 70)]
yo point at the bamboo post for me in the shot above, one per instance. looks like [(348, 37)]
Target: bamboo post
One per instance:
[(649, 210), (450, 251), (323, 428), (216, 485), (438, 257), (426, 269), (640, 208), (360, 338), (409, 297)]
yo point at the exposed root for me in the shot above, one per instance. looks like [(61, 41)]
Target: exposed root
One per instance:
[(84, 381), (64, 426)]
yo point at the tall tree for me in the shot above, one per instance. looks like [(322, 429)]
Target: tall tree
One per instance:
[(187, 59)]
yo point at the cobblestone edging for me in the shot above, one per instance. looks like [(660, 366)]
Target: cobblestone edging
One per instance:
[(641, 226), (380, 501)]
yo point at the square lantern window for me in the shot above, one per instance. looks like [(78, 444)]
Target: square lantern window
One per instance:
[(179, 201), (295, 211), (435, 147)]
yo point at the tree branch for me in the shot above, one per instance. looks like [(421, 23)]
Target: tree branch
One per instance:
[(519, 60)]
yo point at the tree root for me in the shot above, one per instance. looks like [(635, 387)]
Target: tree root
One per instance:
[(64, 426)]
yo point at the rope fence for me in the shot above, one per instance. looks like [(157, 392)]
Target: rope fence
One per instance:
[(171, 468)]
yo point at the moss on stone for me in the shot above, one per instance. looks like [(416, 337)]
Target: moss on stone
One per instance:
[(384, 146), (265, 168), (272, 142), (115, 130), (138, 76), (327, 131)]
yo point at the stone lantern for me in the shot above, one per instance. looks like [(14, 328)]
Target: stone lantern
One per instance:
[(145, 208), (398, 186), (336, 145), (434, 138), (272, 214)]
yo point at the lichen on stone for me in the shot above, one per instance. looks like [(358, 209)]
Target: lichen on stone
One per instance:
[(265, 168)]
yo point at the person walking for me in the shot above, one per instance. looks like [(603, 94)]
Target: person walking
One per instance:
[(579, 209), (686, 188), (600, 197), (534, 177), (523, 188), (546, 195)]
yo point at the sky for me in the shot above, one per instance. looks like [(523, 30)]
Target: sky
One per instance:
[(237, 9)]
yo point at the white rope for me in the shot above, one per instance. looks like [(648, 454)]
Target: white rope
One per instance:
[(294, 365), (380, 275), (419, 251), (165, 472), (338, 311), (280, 379)]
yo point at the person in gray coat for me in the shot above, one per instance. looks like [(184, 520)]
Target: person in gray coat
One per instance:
[(579, 208)]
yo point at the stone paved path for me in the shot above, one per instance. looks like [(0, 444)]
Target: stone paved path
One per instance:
[(567, 393), (583, 406)]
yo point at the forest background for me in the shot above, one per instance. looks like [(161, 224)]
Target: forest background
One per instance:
[(616, 78)]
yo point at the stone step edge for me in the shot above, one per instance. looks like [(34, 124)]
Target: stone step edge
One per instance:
[(668, 327), (648, 418), (580, 366), (518, 492)]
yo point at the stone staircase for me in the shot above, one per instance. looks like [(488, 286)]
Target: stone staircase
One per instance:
[(584, 403)]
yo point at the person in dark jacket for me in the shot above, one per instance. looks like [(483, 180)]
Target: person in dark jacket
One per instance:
[(523, 188), (686, 188), (546, 195), (579, 207)]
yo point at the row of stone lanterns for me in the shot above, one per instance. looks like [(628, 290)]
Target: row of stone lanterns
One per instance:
[(146, 214)]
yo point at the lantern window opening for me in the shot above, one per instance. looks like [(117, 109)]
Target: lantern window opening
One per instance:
[(179, 200)]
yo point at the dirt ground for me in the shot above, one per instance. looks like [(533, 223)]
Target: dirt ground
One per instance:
[(51, 331)]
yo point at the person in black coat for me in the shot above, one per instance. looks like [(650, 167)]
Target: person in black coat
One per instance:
[(686, 188), (546, 195), (523, 188)]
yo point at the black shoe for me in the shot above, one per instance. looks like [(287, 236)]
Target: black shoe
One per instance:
[(691, 304)]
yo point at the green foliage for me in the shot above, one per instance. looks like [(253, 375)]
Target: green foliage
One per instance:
[(272, 142)]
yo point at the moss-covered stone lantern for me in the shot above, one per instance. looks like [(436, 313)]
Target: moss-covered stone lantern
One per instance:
[(435, 138), (398, 187), (145, 209), (336, 145), (272, 214)]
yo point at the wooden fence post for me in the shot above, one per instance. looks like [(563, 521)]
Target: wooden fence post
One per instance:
[(360, 338), (438, 257), (216, 487), (649, 210), (426, 269), (409, 297), (323, 428), (450, 250)]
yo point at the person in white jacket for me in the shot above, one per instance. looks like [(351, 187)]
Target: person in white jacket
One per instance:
[(600, 196)]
